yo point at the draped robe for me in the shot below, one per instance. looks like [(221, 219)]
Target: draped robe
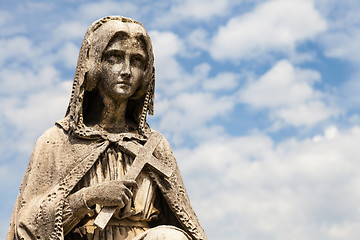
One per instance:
[(58, 163)]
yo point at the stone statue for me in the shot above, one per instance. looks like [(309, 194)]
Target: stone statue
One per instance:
[(102, 172)]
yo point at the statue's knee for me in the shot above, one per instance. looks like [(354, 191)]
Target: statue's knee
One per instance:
[(166, 233)]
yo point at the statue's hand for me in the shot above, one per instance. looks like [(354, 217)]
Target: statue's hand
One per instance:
[(112, 193)]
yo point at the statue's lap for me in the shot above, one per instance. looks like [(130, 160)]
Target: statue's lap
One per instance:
[(163, 233)]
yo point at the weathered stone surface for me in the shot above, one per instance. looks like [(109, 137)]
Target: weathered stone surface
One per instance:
[(103, 154)]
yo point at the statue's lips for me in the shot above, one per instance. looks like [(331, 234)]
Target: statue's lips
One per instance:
[(123, 83)]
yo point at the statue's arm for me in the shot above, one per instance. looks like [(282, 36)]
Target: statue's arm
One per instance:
[(29, 210), (175, 194), (75, 208), (39, 207), (11, 232)]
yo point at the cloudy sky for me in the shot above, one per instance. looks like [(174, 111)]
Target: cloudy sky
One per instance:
[(259, 99)]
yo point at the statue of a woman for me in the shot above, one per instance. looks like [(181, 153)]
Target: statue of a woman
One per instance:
[(79, 166)]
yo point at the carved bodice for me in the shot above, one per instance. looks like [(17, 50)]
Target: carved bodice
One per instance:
[(128, 221)]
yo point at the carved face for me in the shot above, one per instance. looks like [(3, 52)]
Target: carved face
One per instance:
[(122, 67)]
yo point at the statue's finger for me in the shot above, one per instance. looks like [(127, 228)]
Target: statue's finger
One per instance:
[(130, 183)]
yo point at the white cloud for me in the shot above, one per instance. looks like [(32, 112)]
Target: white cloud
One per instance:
[(31, 101), (343, 45), (40, 108), (349, 96), (181, 107), (289, 95), (307, 114), (341, 39), (69, 54), (281, 85), (276, 25), (19, 47), (188, 113), (70, 30), (179, 12), (35, 113), (19, 83), (166, 46), (36, 7), (171, 77), (200, 9), (105, 8), (187, 101), (20, 52), (199, 38), (305, 189), (5, 17), (222, 81)]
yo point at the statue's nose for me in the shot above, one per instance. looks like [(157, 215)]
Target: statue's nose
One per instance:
[(125, 71), (125, 75)]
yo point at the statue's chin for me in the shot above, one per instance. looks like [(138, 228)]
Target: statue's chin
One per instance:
[(120, 91)]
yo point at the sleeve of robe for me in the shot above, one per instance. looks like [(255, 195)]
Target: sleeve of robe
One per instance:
[(175, 194), (39, 209), (37, 201)]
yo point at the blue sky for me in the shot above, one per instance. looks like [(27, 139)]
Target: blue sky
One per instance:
[(259, 99)]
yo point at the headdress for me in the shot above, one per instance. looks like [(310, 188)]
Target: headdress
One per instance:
[(88, 73)]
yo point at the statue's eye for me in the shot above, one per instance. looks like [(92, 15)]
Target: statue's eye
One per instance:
[(137, 60), (113, 57)]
